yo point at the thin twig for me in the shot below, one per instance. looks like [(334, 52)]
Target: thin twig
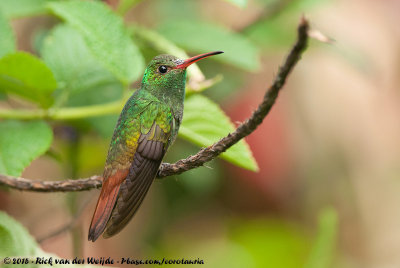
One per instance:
[(204, 155)]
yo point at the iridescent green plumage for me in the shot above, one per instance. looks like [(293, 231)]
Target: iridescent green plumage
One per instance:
[(147, 126)]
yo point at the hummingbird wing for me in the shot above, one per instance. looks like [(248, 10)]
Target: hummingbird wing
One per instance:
[(132, 164), (149, 154)]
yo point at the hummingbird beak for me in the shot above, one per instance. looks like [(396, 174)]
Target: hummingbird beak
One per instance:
[(192, 60)]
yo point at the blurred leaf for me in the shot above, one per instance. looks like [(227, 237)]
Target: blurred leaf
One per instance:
[(205, 123), (84, 81), (183, 9), (323, 250), (20, 143), (205, 37), (239, 3), (23, 8), (25, 75), (38, 39), (60, 51), (3, 96), (103, 93), (7, 40), (274, 32), (305, 5), (105, 35), (219, 252), (125, 5), (16, 241), (272, 243)]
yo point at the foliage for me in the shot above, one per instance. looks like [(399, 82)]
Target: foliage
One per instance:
[(7, 42), (27, 76), (20, 143), (80, 74), (16, 241), (204, 123), (322, 253), (211, 37), (92, 57)]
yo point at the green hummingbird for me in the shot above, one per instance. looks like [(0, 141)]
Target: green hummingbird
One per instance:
[(147, 126)]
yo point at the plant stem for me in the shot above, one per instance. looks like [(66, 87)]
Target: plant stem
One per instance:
[(64, 113), (73, 113)]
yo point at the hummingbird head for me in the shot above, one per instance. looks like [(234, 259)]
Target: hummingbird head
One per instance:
[(168, 72)]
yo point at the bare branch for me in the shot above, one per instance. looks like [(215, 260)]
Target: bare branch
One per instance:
[(204, 155)]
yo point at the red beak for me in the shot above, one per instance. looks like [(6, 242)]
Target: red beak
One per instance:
[(192, 60)]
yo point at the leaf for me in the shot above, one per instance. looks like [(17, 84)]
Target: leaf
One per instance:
[(105, 35), (205, 37), (23, 8), (272, 242), (85, 82), (305, 5), (125, 5), (16, 241), (204, 123), (324, 247), (22, 142), (7, 40), (60, 51), (25, 75), (277, 31), (103, 93), (239, 3)]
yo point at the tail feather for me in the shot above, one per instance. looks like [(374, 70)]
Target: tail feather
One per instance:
[(105, 204)]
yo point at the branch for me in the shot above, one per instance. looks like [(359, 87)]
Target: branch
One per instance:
[(204, 155), (248, 126)]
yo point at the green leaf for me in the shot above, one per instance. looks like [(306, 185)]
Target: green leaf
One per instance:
[(239, 3), (205, 37), (25, 75), (272, 243), (277, 31), (105, 35), (20, 143), (23, 8), (60, 51), (125, 5), (103, 93), (204, 123), (84, 82), (7, 40), (323, 250), (16, 241)]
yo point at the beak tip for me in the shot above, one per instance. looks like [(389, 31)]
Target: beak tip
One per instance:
[(194, 59)]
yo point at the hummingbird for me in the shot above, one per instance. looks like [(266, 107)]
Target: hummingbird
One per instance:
[(146, 128)]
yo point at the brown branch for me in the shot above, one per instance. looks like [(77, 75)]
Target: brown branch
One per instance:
[(205, 154)]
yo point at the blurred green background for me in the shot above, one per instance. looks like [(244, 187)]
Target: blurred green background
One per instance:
[(327, 190)]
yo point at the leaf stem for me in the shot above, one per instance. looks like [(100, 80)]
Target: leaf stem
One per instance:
[(68, 113)]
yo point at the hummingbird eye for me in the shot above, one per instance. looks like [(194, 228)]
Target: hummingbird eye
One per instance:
[(163, 69)]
